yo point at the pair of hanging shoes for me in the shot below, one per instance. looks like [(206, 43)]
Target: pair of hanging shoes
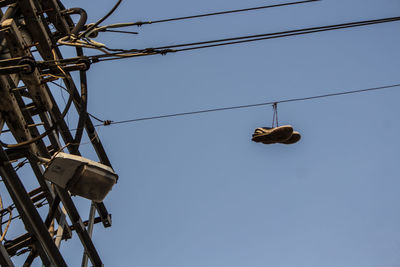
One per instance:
[(282, 134)]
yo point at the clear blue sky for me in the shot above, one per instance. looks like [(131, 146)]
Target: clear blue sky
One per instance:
[(195, 191)]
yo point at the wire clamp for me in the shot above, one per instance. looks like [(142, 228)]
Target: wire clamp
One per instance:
[(107, 122), (166, 51)]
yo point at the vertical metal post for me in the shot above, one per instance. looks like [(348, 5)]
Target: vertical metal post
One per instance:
[(92, 214), (79, 227)]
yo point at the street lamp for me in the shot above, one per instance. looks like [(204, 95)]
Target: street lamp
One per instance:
[(81, 176)]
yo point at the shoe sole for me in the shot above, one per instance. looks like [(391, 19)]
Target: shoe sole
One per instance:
[(293, 139), (278, 134)]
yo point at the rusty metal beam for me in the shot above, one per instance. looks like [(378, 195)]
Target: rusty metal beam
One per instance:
[(28, 212), (4, 3), (19, 48), (5, 258), (53, 11), (13, 246), (79, 227), (19, 43), (12, 114), (20, 153), (36, 26)]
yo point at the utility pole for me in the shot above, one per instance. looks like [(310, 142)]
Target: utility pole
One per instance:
[(30, 60)]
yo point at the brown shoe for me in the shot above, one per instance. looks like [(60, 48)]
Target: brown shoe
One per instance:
[(268, 135), (293, 139)]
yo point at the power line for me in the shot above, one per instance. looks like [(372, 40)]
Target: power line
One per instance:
[(291, 32), (92, 27), (122, 53), (246, 106), (247, 39), (235, 40), (140, 23), (118, 31)]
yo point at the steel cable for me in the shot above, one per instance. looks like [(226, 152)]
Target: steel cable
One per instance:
[(244, 106), (140, 23), (235, 40)]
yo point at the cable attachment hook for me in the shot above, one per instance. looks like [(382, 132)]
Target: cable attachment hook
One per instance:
[(275, 115)]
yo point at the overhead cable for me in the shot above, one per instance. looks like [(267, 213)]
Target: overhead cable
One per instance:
[(140, 23), (266, 36), (118, 31), (93, 29), (235, 40), (108, 122), (123, 53)]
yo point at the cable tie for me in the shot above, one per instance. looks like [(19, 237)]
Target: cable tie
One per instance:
[(139, 23), (165, 51), (149, 50), (107, 122)]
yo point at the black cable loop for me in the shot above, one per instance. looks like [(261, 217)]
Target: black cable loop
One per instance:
[(91, 27)]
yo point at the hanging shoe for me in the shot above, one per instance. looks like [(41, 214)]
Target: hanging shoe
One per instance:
[(268, 135), (293, 139)]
